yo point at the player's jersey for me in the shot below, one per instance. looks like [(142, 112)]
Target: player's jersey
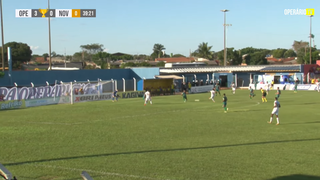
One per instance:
[(262, 90), (115, 93), (184, 95), (217, 87), (276, 104), (233, 85), (212, 93), (225, 99), (251, 90), (278, 92), (147, 94)]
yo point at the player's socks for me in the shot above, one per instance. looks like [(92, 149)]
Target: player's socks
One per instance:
[(270, 120), (265, 99), (262, 100), (278, 122), (150, 102)]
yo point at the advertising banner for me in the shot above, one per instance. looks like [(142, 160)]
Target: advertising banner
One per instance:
[(47, 101), (58, 90), (308, 87), (92, 97), (133, 94), (12, 104), (201, 89)]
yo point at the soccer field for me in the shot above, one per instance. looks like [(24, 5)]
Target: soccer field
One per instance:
[(170, 139)]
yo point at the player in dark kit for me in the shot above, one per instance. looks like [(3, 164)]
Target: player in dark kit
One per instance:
[(115, 95), (217, 89), (224, 101)]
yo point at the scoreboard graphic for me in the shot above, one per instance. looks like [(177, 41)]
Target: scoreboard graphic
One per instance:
[(55, 13)]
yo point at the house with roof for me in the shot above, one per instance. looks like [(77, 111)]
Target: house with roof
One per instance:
[(228, 74)]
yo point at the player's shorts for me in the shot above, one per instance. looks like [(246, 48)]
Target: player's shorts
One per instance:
[(275, 111), (264, 94), (251, 94), (233, 89), (212, 97), (148, 99), (224, 104)]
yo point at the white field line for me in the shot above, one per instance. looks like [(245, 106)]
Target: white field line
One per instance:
[(97, 172)]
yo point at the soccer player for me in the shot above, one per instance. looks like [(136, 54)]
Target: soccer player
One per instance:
[(184, 96), (115, 95), (212, 92), (147, 98), (278, 93), (268, 88), (218, 89), (224, 100), (251, 93), (264, 94), (233, 86), (318, 84), (272, 82), (296, 82), (275, 110)]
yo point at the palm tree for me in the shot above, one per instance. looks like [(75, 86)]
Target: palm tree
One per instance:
[(158, 48), (204, 51)]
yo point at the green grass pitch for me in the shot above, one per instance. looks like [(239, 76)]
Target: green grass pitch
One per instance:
[(170, 139)]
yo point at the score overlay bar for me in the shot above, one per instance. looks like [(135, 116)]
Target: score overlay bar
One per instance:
[(55, 13)]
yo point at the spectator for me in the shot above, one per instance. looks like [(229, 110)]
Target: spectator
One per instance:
[(1, 97), (76, 91), (189, 87)]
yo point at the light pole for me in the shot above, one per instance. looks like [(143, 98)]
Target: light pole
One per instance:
[(50, 66), (224, 40), (2, 49), (310, 37)]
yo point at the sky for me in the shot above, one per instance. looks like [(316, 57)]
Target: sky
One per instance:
[(134, 26)]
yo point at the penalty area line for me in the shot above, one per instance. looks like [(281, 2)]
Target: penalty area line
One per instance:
[(97, 172)]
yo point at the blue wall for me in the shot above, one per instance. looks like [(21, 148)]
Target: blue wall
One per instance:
[(24, 78), (147, 73)]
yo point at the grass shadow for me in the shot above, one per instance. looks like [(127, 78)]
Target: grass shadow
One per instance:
[(297, 177), (159, 150)]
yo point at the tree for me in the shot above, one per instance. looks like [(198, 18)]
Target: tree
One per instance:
[(128, 64), (178, 55), (304, 58), (34, 56), (81, 56), (289, 53), (297, 45), (92, 48), (20, 53), (100, 58), (204, 51), (157, 49), (259, 58), (279, 53), (161, 64), (45, 56)]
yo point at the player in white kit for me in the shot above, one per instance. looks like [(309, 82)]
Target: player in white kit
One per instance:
[(275, 110), (268, 87), (318, 84), (212, 92), (147, 97), (233, 86)]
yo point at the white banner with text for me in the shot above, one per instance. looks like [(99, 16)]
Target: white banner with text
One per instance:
[(201, 89)]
